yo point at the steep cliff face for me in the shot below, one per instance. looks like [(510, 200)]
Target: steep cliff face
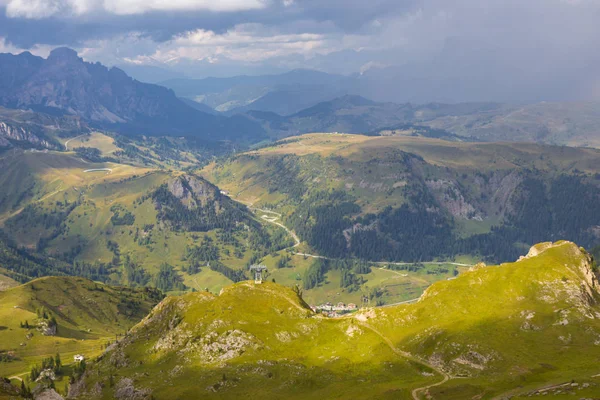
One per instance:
[(26, 128), (192, 191), (10, 132)]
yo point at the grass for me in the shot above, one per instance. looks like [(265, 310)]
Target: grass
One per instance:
[(513, 316), (6, 282), (104, 143), (89, 315), (373, 171), (495, 331), (289, 354)]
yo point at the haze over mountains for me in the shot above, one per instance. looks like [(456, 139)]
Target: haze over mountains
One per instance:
[(68, 93), (106, 98)]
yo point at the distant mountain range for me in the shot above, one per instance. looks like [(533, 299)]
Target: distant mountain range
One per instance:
[(64, 95), (284, 93), (63, 84)]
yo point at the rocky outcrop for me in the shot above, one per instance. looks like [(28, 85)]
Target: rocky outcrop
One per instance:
[(127, 391), (191, 190), (48, 394), (452, 199), (26, 128), (12, 132)]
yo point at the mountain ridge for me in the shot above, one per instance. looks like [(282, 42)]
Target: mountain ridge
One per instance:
[(456, 351), (108, 98)]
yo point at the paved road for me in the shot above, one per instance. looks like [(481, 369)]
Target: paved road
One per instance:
[(273, 220)]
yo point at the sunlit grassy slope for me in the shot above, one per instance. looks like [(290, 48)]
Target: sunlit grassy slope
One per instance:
[(347, 162), (37, 176), (88, 314), (6, 282), (104, 143), (508, 329), (259, 341), (54, 181)]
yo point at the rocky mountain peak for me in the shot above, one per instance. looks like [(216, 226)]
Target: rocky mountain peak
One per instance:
[(64, 54)]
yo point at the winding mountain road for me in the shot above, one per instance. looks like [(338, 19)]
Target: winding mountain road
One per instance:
[(67, 142), (273, 220)]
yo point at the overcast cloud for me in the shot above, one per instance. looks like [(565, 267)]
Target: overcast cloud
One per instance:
[(455, 49)]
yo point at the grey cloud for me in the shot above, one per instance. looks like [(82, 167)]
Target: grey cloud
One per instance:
[(435, 49)]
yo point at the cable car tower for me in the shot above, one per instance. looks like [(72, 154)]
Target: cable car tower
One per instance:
[(258, 272)]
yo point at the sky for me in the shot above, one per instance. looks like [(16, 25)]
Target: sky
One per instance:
[(513, 49)]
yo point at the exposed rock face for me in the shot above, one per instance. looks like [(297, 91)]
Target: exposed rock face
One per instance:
[(46, 374), (451, 198), (32, 129), (127, 391), (20, 134), (47, 329), (48, 394), (192, 190)]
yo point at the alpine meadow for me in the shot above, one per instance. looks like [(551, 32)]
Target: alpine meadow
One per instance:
[(297, 199)]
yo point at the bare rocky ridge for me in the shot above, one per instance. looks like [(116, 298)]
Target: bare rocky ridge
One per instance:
[(191, 190)]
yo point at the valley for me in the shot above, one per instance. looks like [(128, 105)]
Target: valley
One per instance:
[(299, 199), (120, 221), (443, 346)]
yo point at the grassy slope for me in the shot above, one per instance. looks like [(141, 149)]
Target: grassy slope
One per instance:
[(342, 162), (522, 325), (37, 177), (104, 143), (365, 168), (288, 354), (56, 177), (6, 282), (573, 124), (88, 314), (511, 328)]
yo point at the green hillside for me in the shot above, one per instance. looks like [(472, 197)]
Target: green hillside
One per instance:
[(6, 282), (87, 315), (262, 341), (418, 199), (124, 224)]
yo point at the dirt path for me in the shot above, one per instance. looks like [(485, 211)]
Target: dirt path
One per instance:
[(18, 211), (416, 392), (98, 170), (67, 142)]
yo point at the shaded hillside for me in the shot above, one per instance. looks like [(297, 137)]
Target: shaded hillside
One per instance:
[(65, 84), (416, 199), (347, 114), (260, 340), (25, 128)]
